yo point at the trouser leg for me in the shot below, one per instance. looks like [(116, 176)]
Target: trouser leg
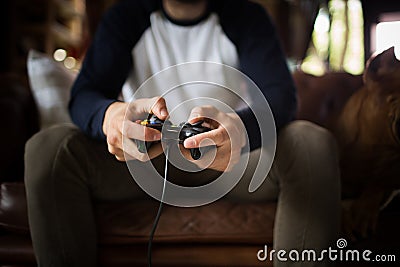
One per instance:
[(305, 180), (65, 173), (309, 201)]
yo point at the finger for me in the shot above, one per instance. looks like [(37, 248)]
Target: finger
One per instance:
[(203, 112), (218, 136), (154, 151), (123, 156), (136, 131), (130, 148), (114, 140), (118, 153), (132, 153), (113, 149), (203, 162), (158, 107), (145, 106)]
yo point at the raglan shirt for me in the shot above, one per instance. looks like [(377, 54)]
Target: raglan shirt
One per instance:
[(137, 39)]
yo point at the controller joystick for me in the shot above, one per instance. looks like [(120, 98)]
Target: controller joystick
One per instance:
[(178, 133)]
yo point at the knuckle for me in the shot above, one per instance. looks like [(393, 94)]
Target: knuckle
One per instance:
[(198, 110), (148, 134), (158, 102), (112, 139), (161, 100)]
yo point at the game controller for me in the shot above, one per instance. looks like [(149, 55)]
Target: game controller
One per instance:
[(170, 133)]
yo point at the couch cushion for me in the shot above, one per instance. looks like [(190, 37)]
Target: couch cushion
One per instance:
[(222, 221), (50, 83)]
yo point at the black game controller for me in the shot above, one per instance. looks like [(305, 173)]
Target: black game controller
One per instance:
[(152, 122), (178, 133)]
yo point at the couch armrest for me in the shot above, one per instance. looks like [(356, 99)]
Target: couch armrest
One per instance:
[(13, 208), (322, 98), (18, 117)]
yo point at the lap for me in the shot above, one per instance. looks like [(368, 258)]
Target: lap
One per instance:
[(110, 179)]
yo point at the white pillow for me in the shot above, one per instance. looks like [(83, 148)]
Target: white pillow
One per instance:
[(50, 83)]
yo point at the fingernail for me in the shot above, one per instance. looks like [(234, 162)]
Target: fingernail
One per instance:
[(190, 143), (164, 112)]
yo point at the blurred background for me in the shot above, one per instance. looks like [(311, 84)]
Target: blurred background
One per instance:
[(317, 35)]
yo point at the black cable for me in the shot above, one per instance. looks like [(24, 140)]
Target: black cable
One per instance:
[(153, 230)]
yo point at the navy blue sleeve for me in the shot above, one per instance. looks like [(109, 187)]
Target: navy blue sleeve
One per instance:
[(106, 65), (263, 61)]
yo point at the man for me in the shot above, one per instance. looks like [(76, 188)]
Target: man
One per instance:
[(135, 40)]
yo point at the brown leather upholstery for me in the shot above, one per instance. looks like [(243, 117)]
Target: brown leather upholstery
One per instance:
[(322, 98), (13, 211), (219, 222)]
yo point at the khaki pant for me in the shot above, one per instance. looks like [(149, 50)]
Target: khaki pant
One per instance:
[(66, 172)]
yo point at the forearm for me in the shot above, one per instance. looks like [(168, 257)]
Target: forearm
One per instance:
[(254, 118), (87, 110)]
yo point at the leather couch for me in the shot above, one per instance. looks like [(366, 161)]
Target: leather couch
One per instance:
[(219, 234)]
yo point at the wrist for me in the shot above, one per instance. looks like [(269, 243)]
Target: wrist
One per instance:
[(109, 114)]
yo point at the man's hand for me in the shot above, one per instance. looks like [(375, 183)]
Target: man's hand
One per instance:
[(227, 134), (120, 127)]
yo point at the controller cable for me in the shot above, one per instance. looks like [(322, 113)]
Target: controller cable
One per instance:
[(155, 224)]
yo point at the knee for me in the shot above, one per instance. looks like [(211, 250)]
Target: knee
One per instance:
[(40, 153), (307, 136), (46, 141), (311, 151)]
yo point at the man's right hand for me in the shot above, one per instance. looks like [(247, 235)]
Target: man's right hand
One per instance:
[(121, 129)]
